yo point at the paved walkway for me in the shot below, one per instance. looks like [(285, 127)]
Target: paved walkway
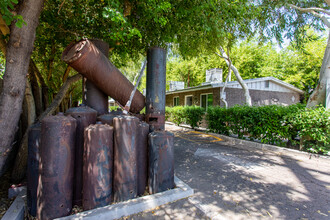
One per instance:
[(236, 183)]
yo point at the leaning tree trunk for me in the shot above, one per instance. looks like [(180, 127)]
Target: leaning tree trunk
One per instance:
[(247, 96), (19, 50), (318, 97)]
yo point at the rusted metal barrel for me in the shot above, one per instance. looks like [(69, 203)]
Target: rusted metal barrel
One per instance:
[(56, 166), (84, 116), (125, 147), (84, 57), (161, 161), (98, 166), (156, 88), (93, 96), (33, 167), (108, 118), (142, 158)]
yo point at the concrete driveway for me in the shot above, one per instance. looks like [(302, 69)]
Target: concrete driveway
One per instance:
[(240, 182)]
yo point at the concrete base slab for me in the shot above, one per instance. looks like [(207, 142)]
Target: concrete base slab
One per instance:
[(137, 205), (17, 209)]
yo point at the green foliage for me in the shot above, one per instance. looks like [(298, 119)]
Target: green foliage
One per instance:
[(6, 8), (175, 114), (274, 125), (297, 66), (193, 115), (313, 126)]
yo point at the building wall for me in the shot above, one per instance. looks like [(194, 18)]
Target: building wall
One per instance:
[(235, 96)]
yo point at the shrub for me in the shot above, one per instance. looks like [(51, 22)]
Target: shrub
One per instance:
[(313, 126), (176, 114), (193, 115)]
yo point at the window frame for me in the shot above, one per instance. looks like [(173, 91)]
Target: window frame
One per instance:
[(200, 103), (185, 99), (178, 97)]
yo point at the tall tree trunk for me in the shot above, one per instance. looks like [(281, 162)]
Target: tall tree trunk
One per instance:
[(19, 51), (36, 90), (318, 96), (247, 96), (44, 87)]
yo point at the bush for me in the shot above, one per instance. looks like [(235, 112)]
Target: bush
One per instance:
[(175, 114), (313, 126), (193, 115)]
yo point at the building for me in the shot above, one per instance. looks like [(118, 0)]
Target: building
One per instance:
[(263, 91)]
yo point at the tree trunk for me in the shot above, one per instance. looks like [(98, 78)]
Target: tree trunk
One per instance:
[(44, 87), (36, 90), (318, 96), (247, 96), (19, 50)]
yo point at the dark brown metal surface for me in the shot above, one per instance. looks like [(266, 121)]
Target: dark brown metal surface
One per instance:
[(98, 166), (84, 116), (156, 88), (93, 96), (56, 166), (142, 158), (161, 161), (108, 118), (125, 147), (84, 57), (33, 167)]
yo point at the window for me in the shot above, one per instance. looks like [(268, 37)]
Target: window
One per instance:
[(206, 100), (267, 84), (176, 101), (188, 100)]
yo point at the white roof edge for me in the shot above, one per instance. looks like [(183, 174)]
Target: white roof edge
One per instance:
[(217, 84)]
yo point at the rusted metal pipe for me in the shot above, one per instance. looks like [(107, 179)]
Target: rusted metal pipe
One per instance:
[(33, 167), (161, 161), (56, 166), (93, 96), (84, 57), (156, 88), (142, 158), (125, 148), (84, 116), (108, 118), (98, 166)]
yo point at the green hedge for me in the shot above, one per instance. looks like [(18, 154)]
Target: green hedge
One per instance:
[(191, 115), (273, 124)]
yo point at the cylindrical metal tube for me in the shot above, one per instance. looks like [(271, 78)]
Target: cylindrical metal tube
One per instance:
[(84, 57), (33, 167), (142, 158), (56, 166), (161, 161), (84, 116), (156, 88), (93, 96), (98, 166), (125, 147), (108, 118)]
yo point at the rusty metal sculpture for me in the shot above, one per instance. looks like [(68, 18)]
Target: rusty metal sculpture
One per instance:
[(56, 166), (33, 167), (125, 147), (156, 88), (93, 96), (84, 116), (98, 166), (84, 57), (161, 161), (142, 158)]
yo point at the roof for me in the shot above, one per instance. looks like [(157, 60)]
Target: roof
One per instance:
[(234, 84)]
